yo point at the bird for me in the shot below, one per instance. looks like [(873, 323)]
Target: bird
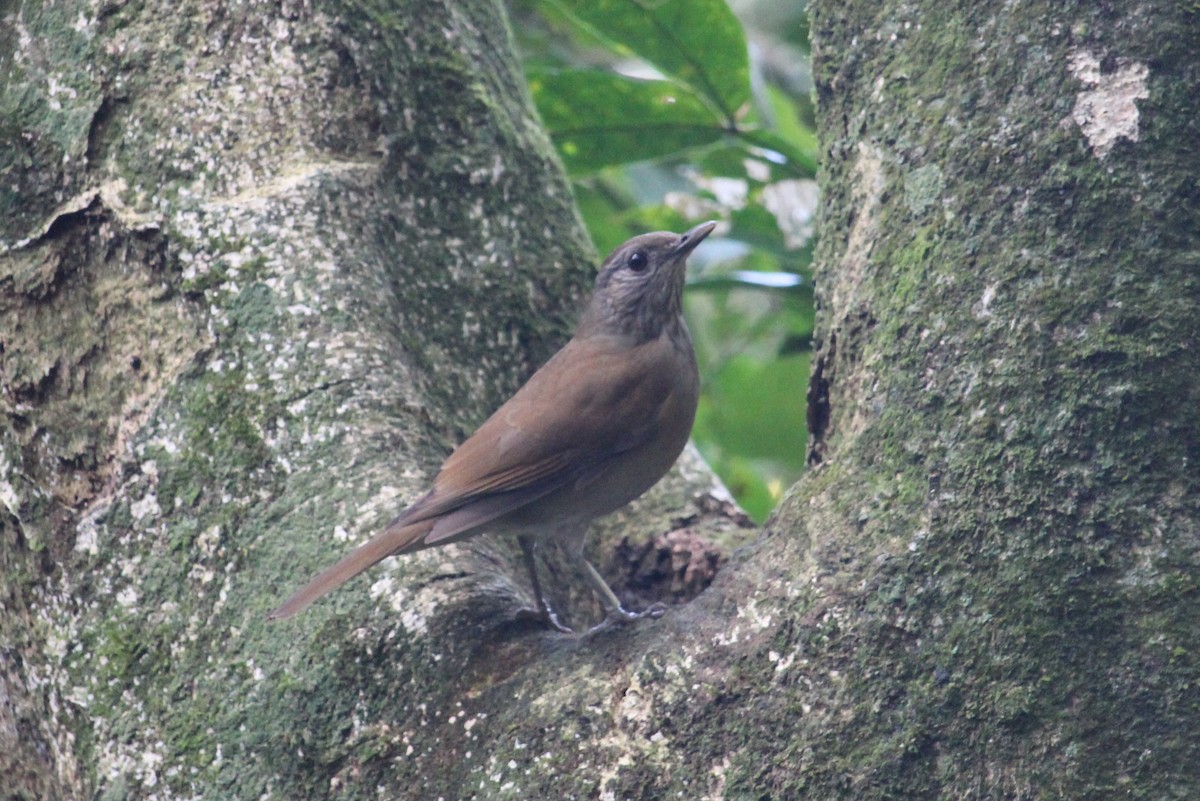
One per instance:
[(595, 427)]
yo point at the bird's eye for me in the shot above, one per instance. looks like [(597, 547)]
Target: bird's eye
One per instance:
[(637, 261)]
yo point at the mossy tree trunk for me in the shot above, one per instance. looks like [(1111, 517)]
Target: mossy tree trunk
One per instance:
[(264, 266), (1000, 536)]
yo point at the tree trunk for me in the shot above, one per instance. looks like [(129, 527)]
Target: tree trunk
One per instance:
[(1000, 537), (262, 272), (262, 268)]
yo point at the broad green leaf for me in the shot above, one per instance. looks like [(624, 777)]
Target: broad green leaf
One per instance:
[(787, 123), (599, 119), (757, 226), (697, 42), (751, 397), (801, 157), (750, 426)]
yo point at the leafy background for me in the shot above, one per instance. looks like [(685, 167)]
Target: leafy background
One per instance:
[(670, 112)]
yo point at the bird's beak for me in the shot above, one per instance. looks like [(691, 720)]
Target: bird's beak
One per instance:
[(688, 241)]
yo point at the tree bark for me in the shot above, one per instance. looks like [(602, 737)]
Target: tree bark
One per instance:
[(1000, 537), (263, 268)]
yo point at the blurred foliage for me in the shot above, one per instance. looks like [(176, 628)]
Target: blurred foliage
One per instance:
[(670, 113)]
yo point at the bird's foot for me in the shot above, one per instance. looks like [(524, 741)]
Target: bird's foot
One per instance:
[(545, 616), (620, 616)]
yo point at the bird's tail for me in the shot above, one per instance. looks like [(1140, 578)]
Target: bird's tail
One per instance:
[(391, 540)]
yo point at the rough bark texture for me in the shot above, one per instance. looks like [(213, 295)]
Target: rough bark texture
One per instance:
[(242, 322), (262, 267), (1004, 522)]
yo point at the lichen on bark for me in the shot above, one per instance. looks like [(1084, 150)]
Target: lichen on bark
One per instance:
[(991, 381), (265, 267)]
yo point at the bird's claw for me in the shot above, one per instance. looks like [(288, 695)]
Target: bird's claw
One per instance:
[(544, 616), (621, 616), (655, 610)]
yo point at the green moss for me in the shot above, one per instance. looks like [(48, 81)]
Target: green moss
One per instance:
[(923, 188), (210, 279), (1013, 605), (222, 417)]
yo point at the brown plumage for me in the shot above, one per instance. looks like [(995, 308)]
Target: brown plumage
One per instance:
[(593, 429)]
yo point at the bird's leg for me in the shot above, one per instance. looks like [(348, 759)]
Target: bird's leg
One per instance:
[(614, 612), (543, 611)]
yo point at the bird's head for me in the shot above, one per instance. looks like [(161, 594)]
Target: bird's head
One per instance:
[(639, 290)]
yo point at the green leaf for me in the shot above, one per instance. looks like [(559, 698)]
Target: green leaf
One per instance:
[(598, 119), (801, 157), (787, 123), (757, 226), (750, 426), (750, 398), (697, 42)]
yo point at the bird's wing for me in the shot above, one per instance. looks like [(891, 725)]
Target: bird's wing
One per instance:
[(595, 399)]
